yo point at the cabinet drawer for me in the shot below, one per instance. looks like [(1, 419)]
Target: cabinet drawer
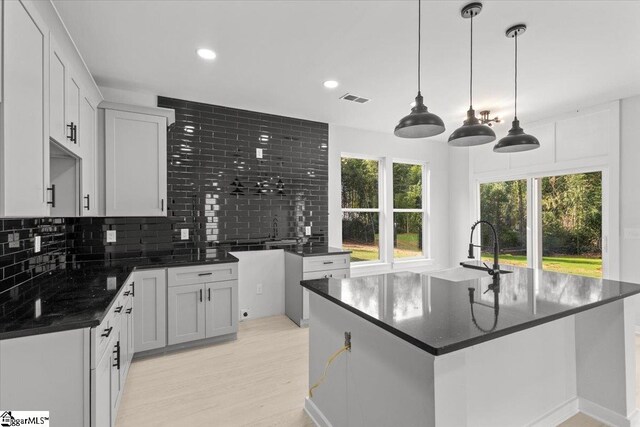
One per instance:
[(343, 273), (323, 263), (202, 274)]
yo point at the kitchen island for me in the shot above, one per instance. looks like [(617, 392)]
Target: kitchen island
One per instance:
[(443, 350)]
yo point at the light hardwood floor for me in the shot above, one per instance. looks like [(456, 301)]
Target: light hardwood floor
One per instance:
[(258, 380)]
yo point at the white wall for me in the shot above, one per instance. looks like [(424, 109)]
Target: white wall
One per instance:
[(584, 140), (434, 151), (630, 192), (265, 267)]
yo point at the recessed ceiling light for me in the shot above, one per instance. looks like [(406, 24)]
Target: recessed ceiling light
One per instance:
[(206, 54), (331, 84)]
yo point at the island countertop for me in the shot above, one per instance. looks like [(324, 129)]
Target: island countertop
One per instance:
[(438, 315)]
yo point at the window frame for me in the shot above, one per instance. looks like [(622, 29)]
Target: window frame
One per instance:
[(379, 209), (534, 210), (425, 210)]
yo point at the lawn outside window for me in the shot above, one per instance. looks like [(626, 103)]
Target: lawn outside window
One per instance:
[(361, 179), (409, 210)]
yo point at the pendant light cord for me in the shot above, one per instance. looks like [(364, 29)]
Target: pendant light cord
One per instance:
[(419, 46), (471, 67), (515, 104)]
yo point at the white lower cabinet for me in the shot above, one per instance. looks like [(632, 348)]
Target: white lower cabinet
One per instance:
[(149, 292), (112, 351), (200, 306), (186, 313)]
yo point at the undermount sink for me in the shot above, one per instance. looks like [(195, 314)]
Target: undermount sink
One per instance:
[(458, 274)]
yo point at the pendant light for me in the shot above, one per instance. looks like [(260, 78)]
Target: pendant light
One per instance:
[(472, 132), (516, 140), (420, 123)]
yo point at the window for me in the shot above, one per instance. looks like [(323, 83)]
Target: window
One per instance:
[(361, 208), (572, 223), (566, 227), (408, 210), (504, 204)]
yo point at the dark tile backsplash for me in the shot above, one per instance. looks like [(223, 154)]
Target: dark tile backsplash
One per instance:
[(220, 191), (18, 260)]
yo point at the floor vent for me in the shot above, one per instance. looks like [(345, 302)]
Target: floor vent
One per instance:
[(354, 98)]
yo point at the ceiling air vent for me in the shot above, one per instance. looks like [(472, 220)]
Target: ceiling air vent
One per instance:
[(354, 98)]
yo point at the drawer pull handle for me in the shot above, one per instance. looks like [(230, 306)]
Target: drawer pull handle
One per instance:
[(129, 310), (205, 274), (328, 262), (127, 293), (118, 309), (107, 332)]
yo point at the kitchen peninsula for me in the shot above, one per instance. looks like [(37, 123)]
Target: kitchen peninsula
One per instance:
[(441, 350)]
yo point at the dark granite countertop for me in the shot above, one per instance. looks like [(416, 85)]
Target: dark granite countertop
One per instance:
[(436, 315), (79, 295), (307, 250)]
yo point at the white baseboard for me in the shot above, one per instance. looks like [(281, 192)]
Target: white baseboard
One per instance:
[(315, 414), (607, 416), (557, 415)]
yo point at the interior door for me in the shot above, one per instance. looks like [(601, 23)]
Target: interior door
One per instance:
[(186, 313)]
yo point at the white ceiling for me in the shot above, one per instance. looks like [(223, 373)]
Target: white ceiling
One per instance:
[(274, 55)]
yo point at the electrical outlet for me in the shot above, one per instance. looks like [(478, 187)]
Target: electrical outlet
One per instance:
[(111, 283), (37, 244), (184, 233), (111, 236), (14, 240), (259, 289), (244, 313), (307, 231), (258, 153)]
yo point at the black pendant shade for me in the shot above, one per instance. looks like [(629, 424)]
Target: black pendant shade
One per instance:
[(516, 140), (420, 123), (471, 133)]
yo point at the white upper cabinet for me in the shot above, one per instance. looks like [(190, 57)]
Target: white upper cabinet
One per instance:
[(65, 100), (24, 137), (135, 164), (89, 168), (57, 94)]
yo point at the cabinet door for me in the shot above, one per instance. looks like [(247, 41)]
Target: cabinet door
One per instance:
[(57, 95), (149, 309), (115, 378), (335, 274), (72, 112), (25, 124), (222, 308), (101, 399), (136, 164), (124, 341), (87, 135), (186, 313)]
